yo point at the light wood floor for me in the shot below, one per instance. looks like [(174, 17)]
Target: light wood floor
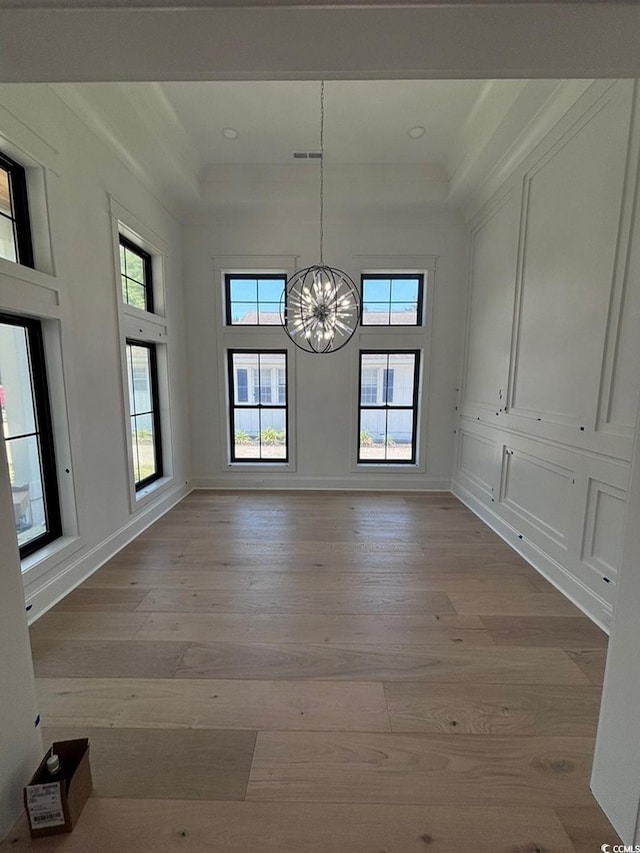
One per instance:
[(324, 672)]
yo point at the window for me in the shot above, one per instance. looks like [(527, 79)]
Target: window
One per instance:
[(28, 434), (369, 385), (253, 300), (135, 274), (388, 411), (392, 300), (258, 424), (15, 231), (142, 373)]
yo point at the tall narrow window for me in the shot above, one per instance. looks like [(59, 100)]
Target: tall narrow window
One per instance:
[(253, 300), (15, 231), (392, 300), (136, 277), (146, 443), (28, 434), (258, 420), (388, 411)]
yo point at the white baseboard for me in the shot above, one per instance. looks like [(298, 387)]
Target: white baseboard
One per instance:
[(45, 591), (591, 604), (352, 483)]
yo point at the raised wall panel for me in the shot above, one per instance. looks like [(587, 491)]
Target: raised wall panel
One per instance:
[(570, 235), (539, 492), (493, 266), (604, 524), (623, 401), (476, 461)]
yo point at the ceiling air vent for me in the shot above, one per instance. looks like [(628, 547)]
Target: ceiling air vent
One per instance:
[(307, 155)]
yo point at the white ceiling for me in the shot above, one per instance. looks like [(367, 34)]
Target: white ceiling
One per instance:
[(170, 134), (366, 121)]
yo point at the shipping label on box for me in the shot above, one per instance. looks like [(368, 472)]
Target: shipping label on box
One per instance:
[(44, 804)]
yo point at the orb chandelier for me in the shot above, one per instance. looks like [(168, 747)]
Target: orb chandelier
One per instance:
[(320, 305)]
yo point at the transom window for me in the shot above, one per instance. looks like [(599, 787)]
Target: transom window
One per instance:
[(258, 406), (392, 300), (388, 408), (142, 373), (135, 273), (253, 300), (15, 231), (28, 433)]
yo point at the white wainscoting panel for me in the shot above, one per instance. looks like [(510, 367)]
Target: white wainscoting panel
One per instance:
[(573, 203), (494, 257), (477, 461), (557, 454), (538, 492), (604, 524)]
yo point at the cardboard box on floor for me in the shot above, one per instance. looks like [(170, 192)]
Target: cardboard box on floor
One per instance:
[(54, 807)]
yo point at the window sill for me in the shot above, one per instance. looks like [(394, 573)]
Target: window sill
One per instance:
[(45, 558), (255, 467), (148, 493)]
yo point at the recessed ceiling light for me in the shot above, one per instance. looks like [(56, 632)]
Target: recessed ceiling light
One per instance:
[(232, 133), (416, 132)]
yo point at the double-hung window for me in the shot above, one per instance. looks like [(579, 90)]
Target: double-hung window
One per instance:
[(15, 231), (28, 433), (141, 358), (258, 405), (388, 406), (144, 413)]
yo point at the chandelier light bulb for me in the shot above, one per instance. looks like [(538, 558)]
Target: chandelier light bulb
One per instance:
[(320, 305)]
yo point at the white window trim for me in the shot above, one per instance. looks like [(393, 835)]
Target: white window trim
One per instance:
[(239, 337), (396, 339), (154, 328)]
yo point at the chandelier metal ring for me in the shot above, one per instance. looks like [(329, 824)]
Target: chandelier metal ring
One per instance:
[(320, 305), (320, 308)]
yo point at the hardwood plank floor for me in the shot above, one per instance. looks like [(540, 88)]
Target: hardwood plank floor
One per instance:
[(299, 661)]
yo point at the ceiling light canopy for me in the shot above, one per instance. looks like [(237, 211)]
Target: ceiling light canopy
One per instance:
[(320, 306)]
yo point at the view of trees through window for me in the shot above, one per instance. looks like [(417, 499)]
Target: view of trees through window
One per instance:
[(135, 273), (15, 231)]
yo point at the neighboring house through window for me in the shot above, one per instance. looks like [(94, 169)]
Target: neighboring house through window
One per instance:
[(142, 373), (258, 405), (388, 409)]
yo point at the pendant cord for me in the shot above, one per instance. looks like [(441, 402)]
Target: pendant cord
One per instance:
[(321, 172)]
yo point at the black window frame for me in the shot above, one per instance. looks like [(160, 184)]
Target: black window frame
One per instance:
[(155, 411), (420, 320), (20, 210), (229, 277), (387, 406), (43, 432), (147, 284), (233, 405)]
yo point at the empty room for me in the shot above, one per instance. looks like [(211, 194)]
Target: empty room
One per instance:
[(319, 385)]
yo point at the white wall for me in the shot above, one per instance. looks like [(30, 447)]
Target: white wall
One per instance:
[(20, 738), (551, 386), (76, 183), (267, 235)]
